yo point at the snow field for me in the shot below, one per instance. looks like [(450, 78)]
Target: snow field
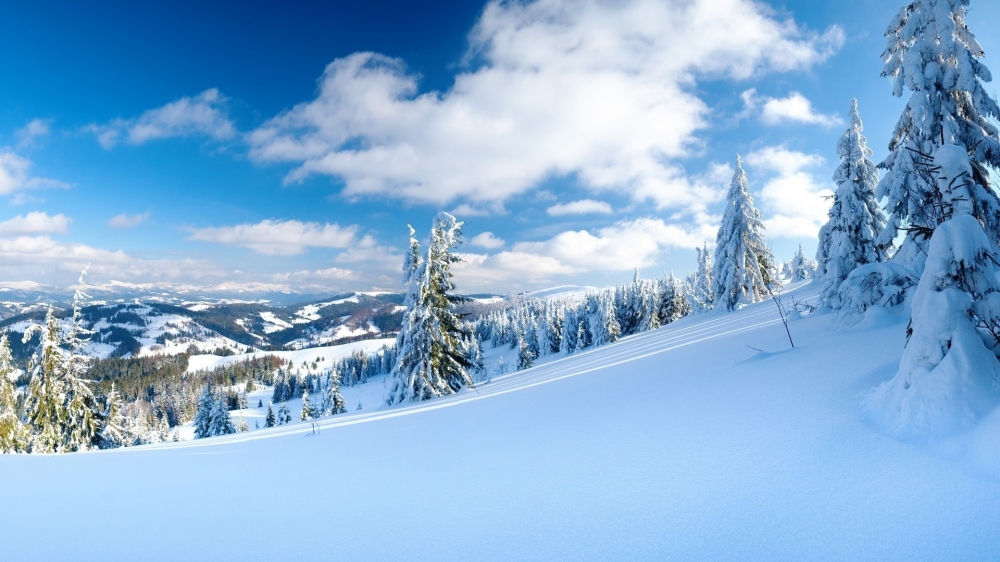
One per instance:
[(676, 444)]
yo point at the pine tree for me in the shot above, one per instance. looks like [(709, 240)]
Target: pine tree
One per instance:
[(13, 433), (270, 420), (44, 410), (932, 53), (704, 292), (241, 425), (525, 359), (284, 416), (306, 412), (431, 360), (848, 239), (82, 424), (801, 267), (206, 408), (335, 402), (112, 434), (744, 269), (947, 377)]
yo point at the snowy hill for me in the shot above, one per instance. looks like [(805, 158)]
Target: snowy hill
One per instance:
[(683, 443), (141, 328)]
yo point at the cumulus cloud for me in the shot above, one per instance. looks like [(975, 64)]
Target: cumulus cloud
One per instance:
[(278, 237), (795, 202), (487, 240), (30, 133), (35, 222), (204, 114), (125, 220), (794, 108), (623, 246), (15, 176), (536, 103), (581, 207)]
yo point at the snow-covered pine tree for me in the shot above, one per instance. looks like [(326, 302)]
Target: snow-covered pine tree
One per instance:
[(525, 358), (270, 420), (306, 412), (221, 424), (932, 53), (334, 399), (947, 377), (82, 423), (571, 327), (13, 433), (847, 241), (801, 267), (284, 416), (744, 269), (431, 360), (112, 434), (704, 292), (206, 408), (44, 411), (241, 425)]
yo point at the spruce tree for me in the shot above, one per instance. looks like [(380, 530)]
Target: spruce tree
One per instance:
[(270, 420), (44, 411), (525, 358), (206, 408), (13, 433), (849, 237), (431, 360), (306, 412), (947, 377), (704, 292), (932, 53), (744, 269)]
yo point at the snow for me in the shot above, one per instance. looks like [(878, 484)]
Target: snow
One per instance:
[(275, 324), (561, 292), (677, 444), (327, 353)]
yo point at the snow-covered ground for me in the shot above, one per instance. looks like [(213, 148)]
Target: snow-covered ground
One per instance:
[(323, 357), (685, 443)]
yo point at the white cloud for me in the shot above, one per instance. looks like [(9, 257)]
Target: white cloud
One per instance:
[(581, 207), (487, 240), (793, 198), (128, 221), (623, 246), (30, 133), (204, 114), (35, 222), (601, 90), (794, 108), (278, 237), (15, 176)]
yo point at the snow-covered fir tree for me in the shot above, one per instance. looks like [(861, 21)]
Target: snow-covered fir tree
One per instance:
[(525, 358), (307, 411), (270, 420), (744, 269), (431, 360), (932, 53), (334, 401), (704, 292), (213, 417), (801, 267), (848, 238), (947, 377), (13, 434), (44, 410), (284, 416)]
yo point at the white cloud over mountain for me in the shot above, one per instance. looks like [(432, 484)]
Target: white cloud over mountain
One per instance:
[(278, 237), (603, 91)]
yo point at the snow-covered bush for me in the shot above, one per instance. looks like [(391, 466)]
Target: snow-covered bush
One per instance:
[(872, 284)]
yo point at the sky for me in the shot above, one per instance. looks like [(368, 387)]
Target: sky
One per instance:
[(286, 146)]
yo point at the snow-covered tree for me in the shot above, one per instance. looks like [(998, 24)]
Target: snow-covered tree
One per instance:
[(801, 267), (13, 433), (932, 53), (334, 401), (284, 416), (744, 269), (704, 292), (848, 238), (525, 358), (947, 377), (213, 417), (44, 411), (307, 412), (431, 360), (270, 420)]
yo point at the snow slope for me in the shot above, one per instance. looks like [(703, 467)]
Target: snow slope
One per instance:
[(676, 444)]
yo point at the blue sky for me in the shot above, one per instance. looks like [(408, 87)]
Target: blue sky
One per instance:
[(252, 145)]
